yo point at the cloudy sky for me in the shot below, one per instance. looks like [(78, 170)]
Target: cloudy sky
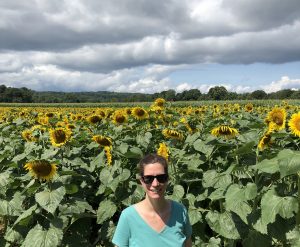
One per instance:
[(150, 46)]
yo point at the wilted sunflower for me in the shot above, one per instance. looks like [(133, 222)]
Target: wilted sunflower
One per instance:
[(102, 140), (94, 119), (59, 136), (294, 124), (41, 169), (107, 150), (225, 131), (160, 102), (264, 142), (163, 150), (276, 119), (119, 117), (173, 134), (139, 113)]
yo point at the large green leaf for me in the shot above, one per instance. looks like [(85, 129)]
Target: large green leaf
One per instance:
[(245, 149), (211, 178), (223, 224), (37, 237), (194, 215), (236, 200), (27, 213), (289, 162), (268, 166), (12, 207), (105, 211), (50, 199), (178, 193), (272, 205), (204, 148)]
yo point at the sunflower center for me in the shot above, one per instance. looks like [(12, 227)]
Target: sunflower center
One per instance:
[(140, 112), (278, 120), (60, 136), (41, 168), (120, 119)]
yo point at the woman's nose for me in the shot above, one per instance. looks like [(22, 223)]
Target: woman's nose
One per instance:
[(155, 182)]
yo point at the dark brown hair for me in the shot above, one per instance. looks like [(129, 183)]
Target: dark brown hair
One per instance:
[(151, 159)]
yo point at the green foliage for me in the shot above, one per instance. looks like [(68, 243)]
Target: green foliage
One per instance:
[(236, 194)]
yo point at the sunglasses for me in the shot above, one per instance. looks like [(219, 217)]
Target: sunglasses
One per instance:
[(162, 178)]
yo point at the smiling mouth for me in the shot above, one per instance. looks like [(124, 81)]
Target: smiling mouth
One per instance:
[(155, 190)]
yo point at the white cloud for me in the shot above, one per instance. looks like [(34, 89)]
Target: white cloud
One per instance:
[(284, 83)]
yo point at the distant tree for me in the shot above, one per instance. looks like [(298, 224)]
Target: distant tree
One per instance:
[(218, 93), (259, 94), (295, 95), (232, 96)]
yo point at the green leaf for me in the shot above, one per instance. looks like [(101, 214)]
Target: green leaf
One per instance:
[(268, 166), (105, 211), (211, 178), (223, 224), (50, 199), (37, 237), (178, 192), (289, 162), (71, 188), (245, 149), (27, 213), (204, 148), (4, 179), (13, 207), (106, 176), (272, 204), (144, 140), (194, 215), (134, 152), (236, 200)]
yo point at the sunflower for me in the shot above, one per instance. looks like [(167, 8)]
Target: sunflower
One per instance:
[(276, 118), (27, 135), (139, 113), (119, 117), (107, 150), (160, 102), (41, 169), (172, 134), (59, 136), (264, 142), (294, 124), (50, 114), (43, 120), (249, 107), (225, 131), (94, 119), (102, 140), (163, 150)]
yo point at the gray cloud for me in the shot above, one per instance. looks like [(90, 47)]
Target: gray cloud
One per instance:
[(58, 44)]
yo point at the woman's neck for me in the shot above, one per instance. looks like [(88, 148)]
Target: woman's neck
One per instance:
[(158, 206)]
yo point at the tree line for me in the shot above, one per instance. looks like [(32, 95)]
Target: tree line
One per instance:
[(25, 95)]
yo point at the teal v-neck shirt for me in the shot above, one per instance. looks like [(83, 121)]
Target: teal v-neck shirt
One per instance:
[(133, 231)]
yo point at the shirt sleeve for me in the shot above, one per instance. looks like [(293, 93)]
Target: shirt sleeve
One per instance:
[(187, 226), (122, 232)]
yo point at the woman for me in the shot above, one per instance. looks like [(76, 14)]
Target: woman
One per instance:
[(155, 221)]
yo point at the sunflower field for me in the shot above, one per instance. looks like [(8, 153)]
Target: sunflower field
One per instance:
[(66, 173)]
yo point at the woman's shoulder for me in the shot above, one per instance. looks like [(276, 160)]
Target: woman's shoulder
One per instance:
[(178, 205), (129, 210)]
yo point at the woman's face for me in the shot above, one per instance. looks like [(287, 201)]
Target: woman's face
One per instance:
[(156, 189)]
